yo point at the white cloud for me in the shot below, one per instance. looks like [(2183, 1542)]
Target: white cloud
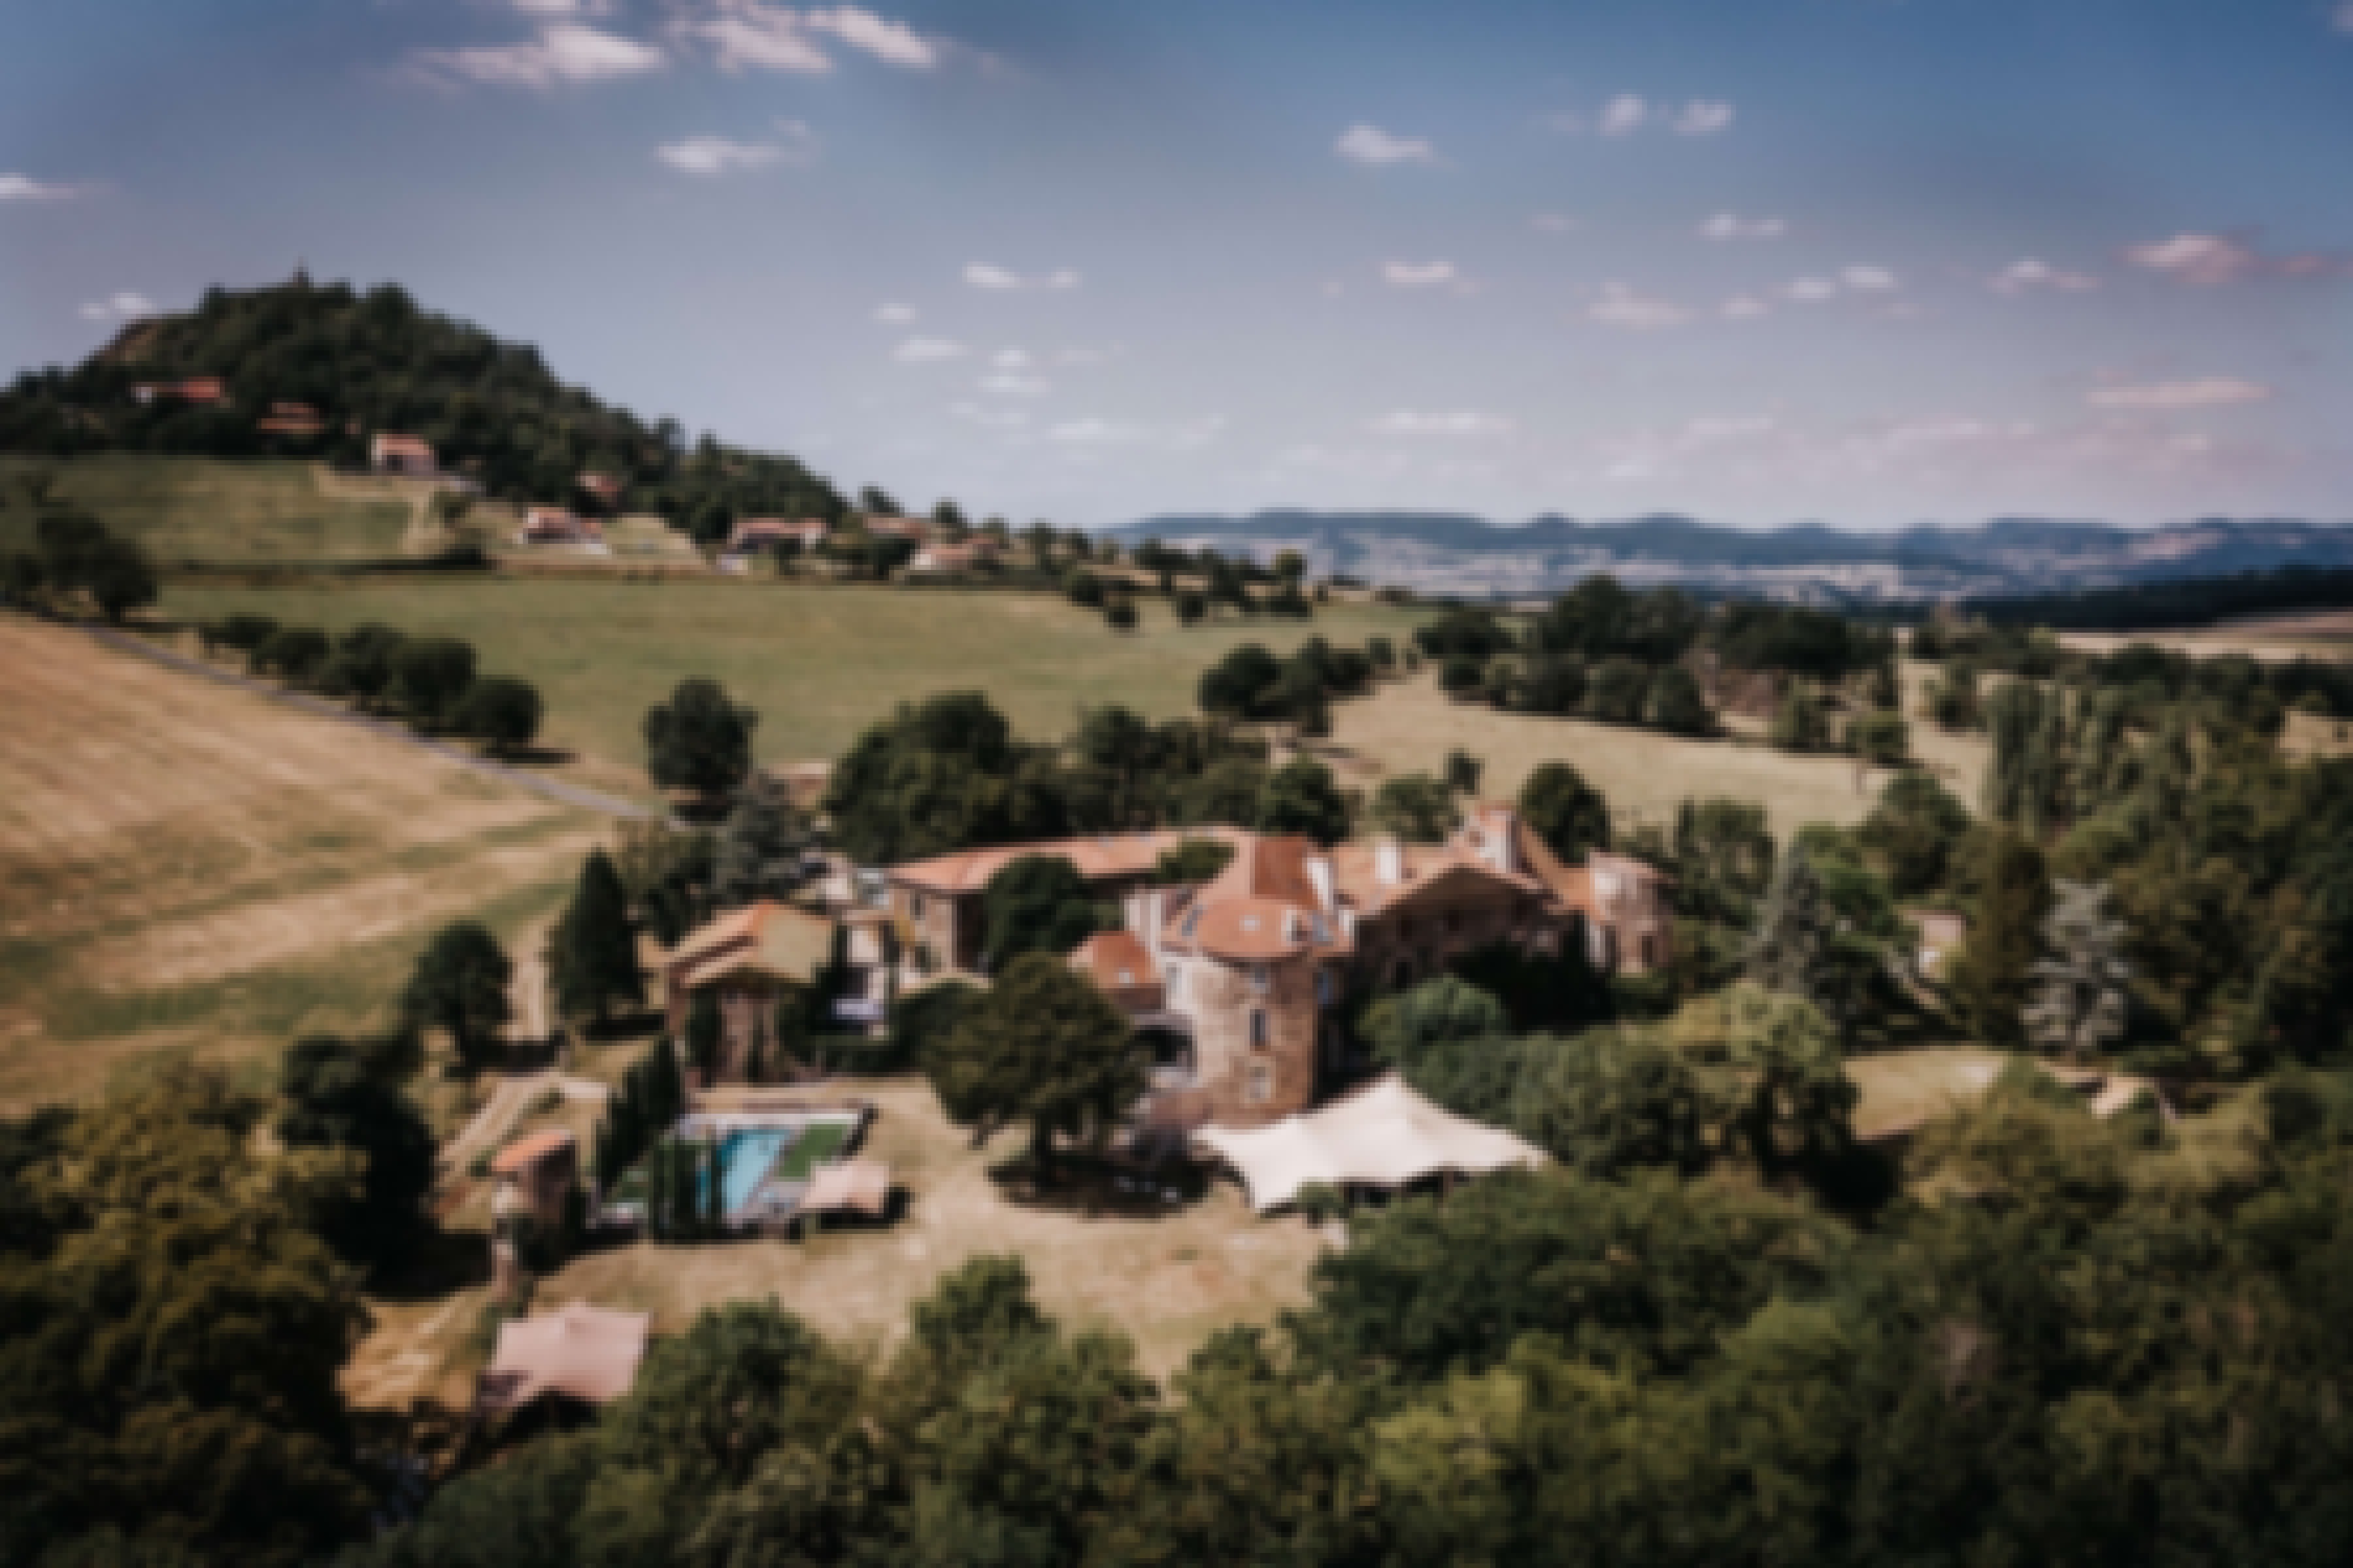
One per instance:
[(2033, 274), (2204, 259), (893, 43), (1623, 115), (563, 8), (1630, 311), (1870, 280), (566, 54), (2344, 17), (894, 315), (1011, 359), (713, 155), (124, 306), (1702, 117), (1725, 226), (1457, 423), (1812, 290), (1742, 308), (1013, 384), (998, 280), (2213, 391), (25, 188), (991, 416), (1372, 146), (1418, 274), (928, 351), (1552, 223)]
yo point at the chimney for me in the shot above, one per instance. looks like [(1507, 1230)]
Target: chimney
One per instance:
[(1319, 876), (1388, 861)]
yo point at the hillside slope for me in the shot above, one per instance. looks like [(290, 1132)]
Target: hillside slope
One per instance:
[(377, 364)]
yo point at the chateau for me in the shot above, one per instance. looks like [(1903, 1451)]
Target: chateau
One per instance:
[(1237, 978)]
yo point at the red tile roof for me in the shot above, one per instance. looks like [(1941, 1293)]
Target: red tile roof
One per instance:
[(1096, 859), (1116, 961), (524, 1152)]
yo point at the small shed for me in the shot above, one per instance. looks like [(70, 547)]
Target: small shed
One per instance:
[(541, 1169)]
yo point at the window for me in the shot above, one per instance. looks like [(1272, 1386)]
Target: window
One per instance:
[(1325, 988), (1257, 1084), (1258, 1030), (914, 905), (1258, 976)]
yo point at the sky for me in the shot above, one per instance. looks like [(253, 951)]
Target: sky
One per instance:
[(1863, 262)]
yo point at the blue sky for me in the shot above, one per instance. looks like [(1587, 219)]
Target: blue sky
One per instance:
[(1862, 261)]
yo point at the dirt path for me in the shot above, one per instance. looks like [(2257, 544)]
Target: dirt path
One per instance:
[(552, 789)]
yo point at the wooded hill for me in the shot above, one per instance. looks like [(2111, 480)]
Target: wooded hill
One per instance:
[(375, 363)]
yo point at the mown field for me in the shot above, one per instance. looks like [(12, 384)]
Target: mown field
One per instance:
[(192, 869), (190, 508), (1646, 775), (819, 664)]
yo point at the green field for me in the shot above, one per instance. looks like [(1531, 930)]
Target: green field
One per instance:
[(195, 509), (819, 664)]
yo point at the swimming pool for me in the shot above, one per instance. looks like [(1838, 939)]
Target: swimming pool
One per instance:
[(746, 1154)]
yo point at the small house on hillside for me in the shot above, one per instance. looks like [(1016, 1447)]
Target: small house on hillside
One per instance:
[(541, 1169), (292, 421), (553, 525), (406, 456), (605, 489), (952, 560), (196, 391), (747, 960)]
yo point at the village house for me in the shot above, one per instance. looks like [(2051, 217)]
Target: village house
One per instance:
[(747, 960), (952, 560), (1239, 980), (553, 525), (406, 456), (196, 391), (541, 1170), (605, 489), (293, 421)]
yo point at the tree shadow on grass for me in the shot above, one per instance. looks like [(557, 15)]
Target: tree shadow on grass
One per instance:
[(1097, 1186), (440, 1263)]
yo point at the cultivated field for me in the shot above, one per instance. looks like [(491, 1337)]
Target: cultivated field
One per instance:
[(193, 868), (820, 664), (1412, 726), (188, 509)]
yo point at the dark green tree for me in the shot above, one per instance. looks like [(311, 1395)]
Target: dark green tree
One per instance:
[(1044, 1048), (361, 667), (1302, 798), (1992, 978), (1036, 903), (459, 985), (1569, 815), (500, 712), (1676, 704), (762, 848), (336, 1095), (699, 741), (592, 954), (430, 676), (1415, 808)]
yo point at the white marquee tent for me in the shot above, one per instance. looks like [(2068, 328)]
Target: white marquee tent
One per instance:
[(1383, 1136)]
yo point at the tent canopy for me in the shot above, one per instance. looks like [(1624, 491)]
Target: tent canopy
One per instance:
[(1385, 1136), (581, 1351)]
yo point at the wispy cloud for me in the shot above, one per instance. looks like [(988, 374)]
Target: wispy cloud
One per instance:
[(566, 54), (1870, 280), (2212, 391), (2033, 275), (928, 351), (1702, 118), (1812, 290), (894, 315), (25, 188), (1630, 112), (996, 279), (1727, 226), (1011, 383), (1455, 423), (1553, 223), (1376, 148), (710, 156), (752, 35), (2210, 260), (1096, 432), (1419, 274), (2343, 20), (1630, 311), (125, 307), (1745, 307), (563, 8)]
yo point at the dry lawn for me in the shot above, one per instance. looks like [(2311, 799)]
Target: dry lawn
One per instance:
[(1168, 1281), (1412, 726), (191, 868)]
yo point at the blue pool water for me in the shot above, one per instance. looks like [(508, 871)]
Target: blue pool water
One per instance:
[(745, 1157)]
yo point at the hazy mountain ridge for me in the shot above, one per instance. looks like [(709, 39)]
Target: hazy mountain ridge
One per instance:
[(1461, 554)]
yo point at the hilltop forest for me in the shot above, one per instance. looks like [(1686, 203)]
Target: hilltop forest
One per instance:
[(376, 362)]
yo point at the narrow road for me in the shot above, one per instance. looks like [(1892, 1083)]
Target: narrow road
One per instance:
[(390, 730)]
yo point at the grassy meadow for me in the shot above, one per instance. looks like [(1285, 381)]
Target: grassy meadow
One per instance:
[(192, 869), (191, 509), (819, 663)]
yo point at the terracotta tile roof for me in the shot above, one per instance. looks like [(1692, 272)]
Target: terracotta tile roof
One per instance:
[(1355, 873), (526, 1152), (1116, 961), (1274, 868), (1096, 859), (1248, 929), (781, 940)]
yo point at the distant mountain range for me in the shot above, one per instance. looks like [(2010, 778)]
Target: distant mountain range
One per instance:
[(1452, 552)]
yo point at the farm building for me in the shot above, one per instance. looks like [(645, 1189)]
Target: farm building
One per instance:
[(747, 960), (407, 456), (293, 421), (553, 525), (196, 391)]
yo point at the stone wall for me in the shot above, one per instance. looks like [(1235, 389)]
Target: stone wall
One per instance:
[(1241, 1084)]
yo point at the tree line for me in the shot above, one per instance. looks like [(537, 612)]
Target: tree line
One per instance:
[(430, 681)]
